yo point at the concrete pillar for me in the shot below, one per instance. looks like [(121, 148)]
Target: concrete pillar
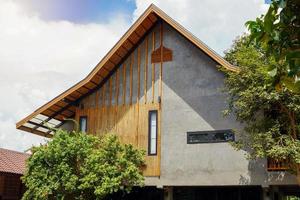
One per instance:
[(266, 193), (168, 193)]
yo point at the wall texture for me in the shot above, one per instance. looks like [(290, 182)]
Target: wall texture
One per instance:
[(122, 104), (192, 100)]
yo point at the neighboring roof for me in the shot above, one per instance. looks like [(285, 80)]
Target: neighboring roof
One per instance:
[(53, 113), (12, 161)]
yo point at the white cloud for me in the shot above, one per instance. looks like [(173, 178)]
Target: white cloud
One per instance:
[(40, 59), (215, 22)]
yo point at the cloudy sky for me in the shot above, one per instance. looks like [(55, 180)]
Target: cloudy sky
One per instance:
[(46, 46)]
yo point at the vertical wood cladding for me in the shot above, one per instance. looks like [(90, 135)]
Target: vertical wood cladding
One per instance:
[(122, 104)]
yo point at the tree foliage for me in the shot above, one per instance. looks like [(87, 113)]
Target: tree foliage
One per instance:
[(278, 32), (271, 116), (79, 166)]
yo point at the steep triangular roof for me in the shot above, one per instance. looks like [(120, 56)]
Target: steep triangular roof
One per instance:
[(55, 111)]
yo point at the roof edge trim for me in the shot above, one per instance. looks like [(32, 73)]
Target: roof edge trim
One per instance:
[(151, 9)]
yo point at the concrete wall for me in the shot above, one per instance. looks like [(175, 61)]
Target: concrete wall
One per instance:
[(193, 101), (68, 125)]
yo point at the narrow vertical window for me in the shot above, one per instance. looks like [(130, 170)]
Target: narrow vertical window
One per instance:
[(83, 123), (152, 140)]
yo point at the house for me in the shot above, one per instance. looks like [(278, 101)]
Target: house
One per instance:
[(12, 167), (159, 88)]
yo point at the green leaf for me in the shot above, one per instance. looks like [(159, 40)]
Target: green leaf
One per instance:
[(273, 72), (293, 55), (269, 19), (262, 96), (282, 3), (291, 84), (80, 165)]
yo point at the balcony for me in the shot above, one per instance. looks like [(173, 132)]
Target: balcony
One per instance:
[(274, 165)]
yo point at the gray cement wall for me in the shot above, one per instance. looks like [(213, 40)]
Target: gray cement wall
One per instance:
[(193, 101)]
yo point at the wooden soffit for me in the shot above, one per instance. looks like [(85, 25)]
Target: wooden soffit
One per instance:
[(52, 114)]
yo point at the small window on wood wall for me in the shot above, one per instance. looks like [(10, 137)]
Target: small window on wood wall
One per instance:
[(152, 135), (83, 123)]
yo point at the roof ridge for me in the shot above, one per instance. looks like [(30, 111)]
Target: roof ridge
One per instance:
[(106, 66), (14, 151)]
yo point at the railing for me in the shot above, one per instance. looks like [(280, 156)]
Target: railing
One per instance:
[(274, 165)]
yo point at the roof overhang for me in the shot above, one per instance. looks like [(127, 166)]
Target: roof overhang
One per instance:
[(53, 114), (12, 162)]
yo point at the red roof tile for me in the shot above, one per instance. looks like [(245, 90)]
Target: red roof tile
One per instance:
[(12, 161)]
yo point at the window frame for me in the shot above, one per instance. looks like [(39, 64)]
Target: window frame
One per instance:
[(210, 132), (149, 132), (80, 122)]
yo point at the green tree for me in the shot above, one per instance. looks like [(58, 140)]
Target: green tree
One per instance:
[(79, 166), (278, 32), (271, 116)]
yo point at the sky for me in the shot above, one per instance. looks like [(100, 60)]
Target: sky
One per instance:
[(46, 46)]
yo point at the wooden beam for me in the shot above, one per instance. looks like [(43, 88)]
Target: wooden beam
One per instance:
[(104, 95), (39, 125), (100, 66), (55, 107), (121, 52), (115, 69), (161, 62), (90, 85), (53, 115), (132, 43), (139, 74), (37, 132), (153, 66), (127, 45), (147, 23), (115, 59), (140, 30), (110, 91), (152, 17), (146, 69), (82, 90), (117, 87), (97, 99), (75, 102), (131, 77), (79, 92), (124, 83), (134, 37), (64, 113)]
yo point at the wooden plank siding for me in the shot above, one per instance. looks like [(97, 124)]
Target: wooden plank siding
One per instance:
[(103, 70), (121, 106)]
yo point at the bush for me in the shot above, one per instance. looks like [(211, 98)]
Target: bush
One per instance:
[(74, 165)]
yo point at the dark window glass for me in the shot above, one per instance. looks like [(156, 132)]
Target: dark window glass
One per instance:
[(152, 135), (83, 123), (210, 136)]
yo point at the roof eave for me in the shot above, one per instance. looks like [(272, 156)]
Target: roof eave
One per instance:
[(150, 10)]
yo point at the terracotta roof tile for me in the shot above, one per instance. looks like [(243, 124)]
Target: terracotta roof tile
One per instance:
[(12, 161)]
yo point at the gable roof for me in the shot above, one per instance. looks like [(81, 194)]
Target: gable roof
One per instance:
[(12, 161), (55, 111)]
